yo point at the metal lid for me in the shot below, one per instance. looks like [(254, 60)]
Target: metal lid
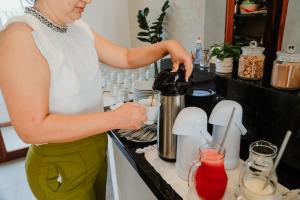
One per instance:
[(252, 49), (290, 55)]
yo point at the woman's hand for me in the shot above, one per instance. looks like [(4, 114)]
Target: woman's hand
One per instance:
[(180, 56), (130, 116)]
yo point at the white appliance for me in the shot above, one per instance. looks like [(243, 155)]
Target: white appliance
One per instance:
[(190, 127), (219, 118)]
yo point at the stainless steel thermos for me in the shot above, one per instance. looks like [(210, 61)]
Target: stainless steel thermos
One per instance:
[(172, 88), (170, 107)]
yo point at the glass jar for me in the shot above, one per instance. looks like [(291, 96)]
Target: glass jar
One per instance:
[(251, 63), (286, 70), (255, 171)]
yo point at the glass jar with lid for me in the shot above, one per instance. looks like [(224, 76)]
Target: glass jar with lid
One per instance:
[(251, 63), (255, 171), (286, 70)]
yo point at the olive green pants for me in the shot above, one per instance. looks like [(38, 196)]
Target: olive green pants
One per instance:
[(68, 171)]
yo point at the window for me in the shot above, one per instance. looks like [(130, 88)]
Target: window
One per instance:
[(11, 8)]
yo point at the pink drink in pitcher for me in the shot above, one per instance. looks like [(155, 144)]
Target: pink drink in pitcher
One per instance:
[(209, 177)]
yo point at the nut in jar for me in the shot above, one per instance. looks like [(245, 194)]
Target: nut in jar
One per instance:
[(251, 63)]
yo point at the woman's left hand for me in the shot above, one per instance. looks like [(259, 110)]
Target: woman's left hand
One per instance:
[(180, 56)]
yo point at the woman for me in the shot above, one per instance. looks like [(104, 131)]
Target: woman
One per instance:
[(49, 77)]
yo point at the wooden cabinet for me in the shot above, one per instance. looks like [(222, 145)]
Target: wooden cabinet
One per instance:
[(265, 25)]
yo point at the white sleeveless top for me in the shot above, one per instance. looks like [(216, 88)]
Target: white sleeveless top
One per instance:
[(75, 85)]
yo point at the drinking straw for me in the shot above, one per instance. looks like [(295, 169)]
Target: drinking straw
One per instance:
[(227, 128), (278, 158)]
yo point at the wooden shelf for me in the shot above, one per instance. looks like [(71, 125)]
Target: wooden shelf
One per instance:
[(251, 15)]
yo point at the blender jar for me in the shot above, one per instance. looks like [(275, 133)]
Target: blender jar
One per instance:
[(255, 171), (251, 63)]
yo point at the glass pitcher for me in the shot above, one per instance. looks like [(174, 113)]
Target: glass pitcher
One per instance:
[(207, 174), (255, 171)]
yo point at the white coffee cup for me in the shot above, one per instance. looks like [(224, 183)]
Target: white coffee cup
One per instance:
[(152, 109)]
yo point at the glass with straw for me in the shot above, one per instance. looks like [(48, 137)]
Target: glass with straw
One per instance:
[(258, 180)]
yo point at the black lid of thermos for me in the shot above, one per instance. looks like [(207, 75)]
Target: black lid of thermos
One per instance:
[(171, 83)]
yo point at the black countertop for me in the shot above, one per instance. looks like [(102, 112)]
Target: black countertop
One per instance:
[(160, 188)]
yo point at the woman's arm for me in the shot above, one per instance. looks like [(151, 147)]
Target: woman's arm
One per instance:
[(119, 57), (25, 82)]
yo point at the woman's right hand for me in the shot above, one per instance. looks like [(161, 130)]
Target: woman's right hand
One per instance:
[(130, 116)]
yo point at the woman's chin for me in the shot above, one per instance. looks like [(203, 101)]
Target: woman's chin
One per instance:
[(74, 18)]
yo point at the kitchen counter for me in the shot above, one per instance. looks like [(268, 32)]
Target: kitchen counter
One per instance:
[(153, 180)]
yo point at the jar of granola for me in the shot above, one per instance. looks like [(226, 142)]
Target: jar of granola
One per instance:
[(286, 70), (251, 63)]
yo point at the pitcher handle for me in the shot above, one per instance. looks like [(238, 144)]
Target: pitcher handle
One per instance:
[(195, 164)]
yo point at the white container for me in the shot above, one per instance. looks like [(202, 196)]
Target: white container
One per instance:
[(190, 127), (219, 118), (152, 110), (224, 66)]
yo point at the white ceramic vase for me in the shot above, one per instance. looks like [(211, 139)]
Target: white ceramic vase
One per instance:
[(224, 66)]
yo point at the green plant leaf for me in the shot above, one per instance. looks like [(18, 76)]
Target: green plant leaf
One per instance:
[(154, 27), (144, 39), (146, 11), (154, 40), (161, 17), (142, 20), (225, 50), (152, 33), (165, 6), (143, 24), (143, 34), (143, 27)]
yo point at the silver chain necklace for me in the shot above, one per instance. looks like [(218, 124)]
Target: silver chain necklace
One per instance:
[(45, 20)]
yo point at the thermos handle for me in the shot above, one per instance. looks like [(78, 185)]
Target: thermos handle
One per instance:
[(242, 128), (195, 164)]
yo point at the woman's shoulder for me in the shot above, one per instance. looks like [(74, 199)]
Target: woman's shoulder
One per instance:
[(15, 30), (17, 27)]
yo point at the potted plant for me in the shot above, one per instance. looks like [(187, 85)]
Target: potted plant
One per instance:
[(224, 55), (151, 33)]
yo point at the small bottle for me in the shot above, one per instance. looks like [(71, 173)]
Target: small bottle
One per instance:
[(198, 51)]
